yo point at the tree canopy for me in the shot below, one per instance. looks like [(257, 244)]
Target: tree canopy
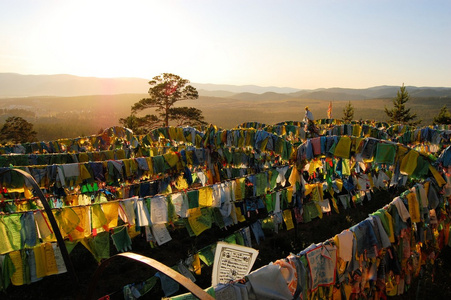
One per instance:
[(165, 90), (443, 117), (17, 130), (399, 113), (348, 112), (190, 116)]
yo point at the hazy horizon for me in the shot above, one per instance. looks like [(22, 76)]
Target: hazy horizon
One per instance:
[(234, 85)]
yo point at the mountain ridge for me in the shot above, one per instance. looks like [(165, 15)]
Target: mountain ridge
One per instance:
[(66, 85)]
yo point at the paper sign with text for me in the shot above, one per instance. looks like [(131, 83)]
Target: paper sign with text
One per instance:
[(232, 262)]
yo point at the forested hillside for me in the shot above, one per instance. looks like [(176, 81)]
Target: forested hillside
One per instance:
[(66, 117)]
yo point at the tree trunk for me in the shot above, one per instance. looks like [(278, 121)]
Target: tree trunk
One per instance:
[(166, 117)]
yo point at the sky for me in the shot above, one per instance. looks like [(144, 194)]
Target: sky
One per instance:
[(299, 44)]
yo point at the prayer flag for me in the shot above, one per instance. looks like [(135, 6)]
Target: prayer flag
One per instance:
[(329, 110)]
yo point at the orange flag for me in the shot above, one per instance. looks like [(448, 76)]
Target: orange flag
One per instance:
[(329, 111)]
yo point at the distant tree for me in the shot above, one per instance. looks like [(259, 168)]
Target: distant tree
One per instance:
[(140, 125), (19, 112), (17, 130), (165, 90), (348, 112), (189, 116), (443, 117), (400, 114), (130, 122)]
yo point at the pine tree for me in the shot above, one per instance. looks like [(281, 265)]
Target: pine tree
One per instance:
[(348, 113), (165, 90), (400, 114), (443, 117), (17, 130)]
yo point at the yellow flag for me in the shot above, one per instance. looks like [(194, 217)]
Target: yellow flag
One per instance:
[(288, 219)]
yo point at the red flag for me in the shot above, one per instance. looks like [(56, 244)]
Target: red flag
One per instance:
[(329, 111), (170, 89)]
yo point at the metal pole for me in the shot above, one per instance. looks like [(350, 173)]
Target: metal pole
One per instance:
[(55, 228)]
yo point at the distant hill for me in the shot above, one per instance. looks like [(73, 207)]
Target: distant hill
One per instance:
[(18, 85), (260, 97), (215, 93), (330, 95), (340, 94), (236, 89), (379, 92), (63, 85)]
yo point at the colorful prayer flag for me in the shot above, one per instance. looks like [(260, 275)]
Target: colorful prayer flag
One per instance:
[(329, 110)]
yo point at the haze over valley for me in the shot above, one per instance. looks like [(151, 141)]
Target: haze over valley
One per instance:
[(69, 106)]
